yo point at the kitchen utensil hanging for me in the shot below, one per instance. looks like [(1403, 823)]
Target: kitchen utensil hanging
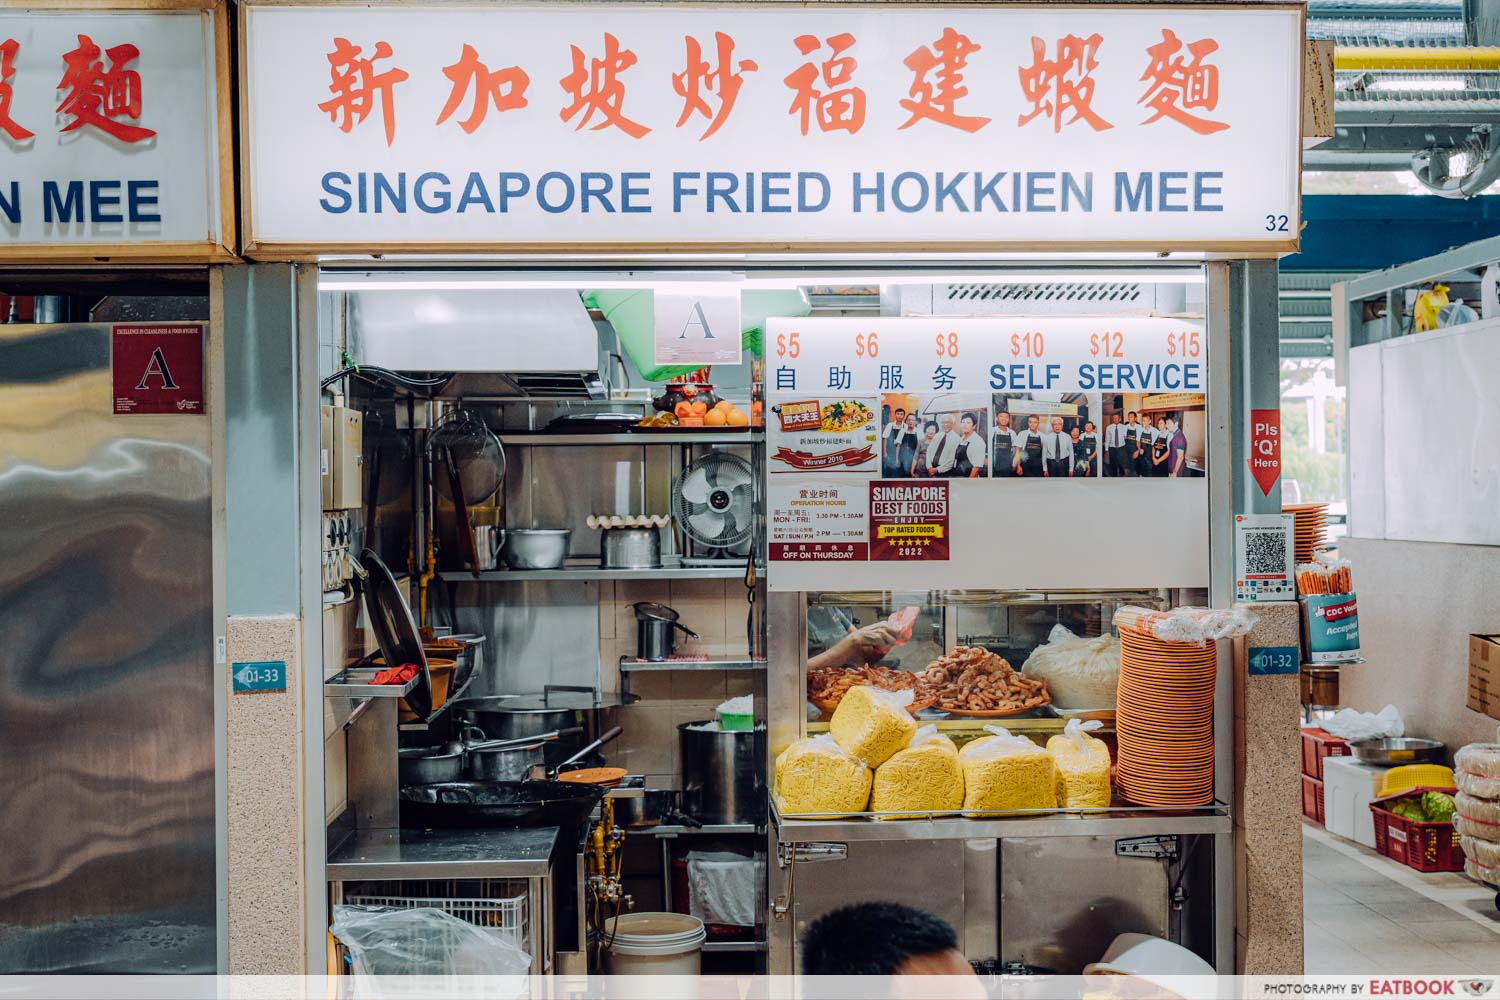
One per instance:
[(714, 501), (387, 461), (468, 466), (395, 630)]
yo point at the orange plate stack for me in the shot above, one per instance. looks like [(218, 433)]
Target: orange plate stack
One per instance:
[(1165, 721), (1311, 528)]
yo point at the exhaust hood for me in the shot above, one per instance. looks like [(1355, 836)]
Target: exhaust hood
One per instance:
[(496, 342)]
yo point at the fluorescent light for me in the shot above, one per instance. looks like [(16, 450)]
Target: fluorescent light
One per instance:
[(417, 281)]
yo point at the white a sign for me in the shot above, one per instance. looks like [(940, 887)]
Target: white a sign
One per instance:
[(111, 126), (698, 324), (812, 126)]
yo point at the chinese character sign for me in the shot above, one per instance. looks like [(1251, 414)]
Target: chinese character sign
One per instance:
[(109, 125), (610, 124)]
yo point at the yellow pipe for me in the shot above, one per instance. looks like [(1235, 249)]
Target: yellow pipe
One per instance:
[(1456, 58)]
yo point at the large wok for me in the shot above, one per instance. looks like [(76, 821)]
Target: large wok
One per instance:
[(467, 804)]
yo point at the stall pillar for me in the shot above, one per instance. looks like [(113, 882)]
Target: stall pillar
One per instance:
[(1267, 813), (273, 828)]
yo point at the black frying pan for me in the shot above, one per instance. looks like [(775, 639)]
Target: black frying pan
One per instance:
[(395, 630), (462, 804)]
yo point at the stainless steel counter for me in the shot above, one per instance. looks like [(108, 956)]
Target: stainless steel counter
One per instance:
[(439, 854)]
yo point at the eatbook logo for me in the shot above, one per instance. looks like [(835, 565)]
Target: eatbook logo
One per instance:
[(1477, 987)]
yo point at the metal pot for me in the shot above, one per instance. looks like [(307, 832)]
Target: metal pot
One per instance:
[(1397, 750), (430, 765), (488, 540), (536, 548), (720, 773), (503, 763), (632, 548), (649, 809), (509, 717), (656, 628)]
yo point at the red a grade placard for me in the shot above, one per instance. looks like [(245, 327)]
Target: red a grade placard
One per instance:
[(909, 520), (158, 368), (1265, 448)]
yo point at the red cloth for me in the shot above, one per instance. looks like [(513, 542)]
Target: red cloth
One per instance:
[(397, 675)]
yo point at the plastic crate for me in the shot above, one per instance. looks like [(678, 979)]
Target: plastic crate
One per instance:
[(1426, 847), (1317, 744), (1312, 799), (507, 917)]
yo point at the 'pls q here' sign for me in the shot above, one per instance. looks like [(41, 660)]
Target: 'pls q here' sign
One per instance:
[(1265, 448)]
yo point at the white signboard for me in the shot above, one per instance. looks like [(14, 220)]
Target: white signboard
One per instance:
[(808, 126), (110, 124), (1019, 453)]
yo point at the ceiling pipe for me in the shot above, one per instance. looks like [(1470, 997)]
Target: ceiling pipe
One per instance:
[(1430, 166), (1455, 58)]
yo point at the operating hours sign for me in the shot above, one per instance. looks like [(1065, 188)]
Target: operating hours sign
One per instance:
[(157, 368), (1018, 452)]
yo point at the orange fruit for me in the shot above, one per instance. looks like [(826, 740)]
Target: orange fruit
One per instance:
[(683, 409), (737, 418), (700, 408), (724, 405), (715, 417)]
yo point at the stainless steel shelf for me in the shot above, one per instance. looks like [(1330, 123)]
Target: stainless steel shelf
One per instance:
[(594, 572), (435, 854), (636, 438), (352, 683), (720, 829), (629, 665), (1122, 822), (728, 946)]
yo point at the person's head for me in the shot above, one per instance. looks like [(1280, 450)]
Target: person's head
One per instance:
[(1161, 422), (911, 421), (930, 429), (881, 939), (1088, 427), (967, 423), (1172, 424), (1033, 422), (1074, 433), (900, 415), (1057, 425), (947, 421), (1130, 417), (1002, 418)]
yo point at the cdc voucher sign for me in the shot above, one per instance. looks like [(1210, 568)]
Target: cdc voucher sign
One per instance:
[(826, 125)]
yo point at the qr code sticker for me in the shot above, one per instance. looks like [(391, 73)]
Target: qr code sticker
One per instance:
[(1265, 552)]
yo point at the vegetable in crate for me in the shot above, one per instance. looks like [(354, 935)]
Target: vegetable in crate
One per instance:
[(1409, 807), (872, 724), (926, 776), (818, 776), (1438, 806), (1003, 773)]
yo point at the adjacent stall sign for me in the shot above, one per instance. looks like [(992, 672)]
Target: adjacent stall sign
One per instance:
[(258, 675), (1023, 452), (158, 368), (794, 126), (1264, 557), (114, 127)]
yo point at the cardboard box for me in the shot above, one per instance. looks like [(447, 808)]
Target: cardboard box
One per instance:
[(1484, 674)]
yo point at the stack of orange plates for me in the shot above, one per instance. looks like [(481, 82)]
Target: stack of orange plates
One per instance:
[(1311, 528), (1165, 721)]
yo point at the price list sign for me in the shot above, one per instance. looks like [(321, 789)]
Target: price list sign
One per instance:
[(922, 441)]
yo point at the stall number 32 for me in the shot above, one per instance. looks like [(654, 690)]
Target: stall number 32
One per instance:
[(1276, 223)]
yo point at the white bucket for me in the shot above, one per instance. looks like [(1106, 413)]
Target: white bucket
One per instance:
[(655, 944)]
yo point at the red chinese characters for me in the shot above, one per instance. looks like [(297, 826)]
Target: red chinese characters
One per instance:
[(1056, 87), (596, 89), (506, 88), (12, 128), (842, 106), (356, 87), (722, 80), (98, 95), (1179, 84), (937, 99)]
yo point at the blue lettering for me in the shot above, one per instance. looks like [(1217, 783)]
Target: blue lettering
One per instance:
[(138, 201), (722, 185), (803, 205), (680, 188), (541, 192), (634, 185), (1128, 199), (475, 193), (1202, 192), (513, 185), (770, 192), (595, 187), (12, 206), (443, 199), (68, 209), (949, 189), (384, 192), (1167, 189), (987, 190), (922, 191), (1071, 190), (860, 190), (99, 199), (1085, 376), (1035, 190)]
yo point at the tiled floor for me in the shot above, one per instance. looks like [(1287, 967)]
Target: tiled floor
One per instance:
[(1366, 914)]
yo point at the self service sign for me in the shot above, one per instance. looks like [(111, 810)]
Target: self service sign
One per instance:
[(111, 123), (828, 125)]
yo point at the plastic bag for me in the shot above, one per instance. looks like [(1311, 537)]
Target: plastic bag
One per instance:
[(1456, 313), (925, 776), (1080, 673), (1348, 724), (1477, 818), (1082, 764), (817, 776), (1477, 770), (423, 941), (872, 723), (1481, 860), (1195, 625), (1005, 772)]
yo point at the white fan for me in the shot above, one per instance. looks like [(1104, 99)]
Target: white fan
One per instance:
[(714, 500)]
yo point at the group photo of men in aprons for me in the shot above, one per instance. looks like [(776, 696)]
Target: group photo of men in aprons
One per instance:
[(1144, 442), (1033, 440), (938, 437)]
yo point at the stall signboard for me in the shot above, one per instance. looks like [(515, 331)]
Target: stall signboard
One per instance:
[(115, 124), (728, 126), (1003, 452)]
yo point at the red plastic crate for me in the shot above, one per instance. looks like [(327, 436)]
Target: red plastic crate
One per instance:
[(1427, 847), (1316, 744), (1312, 799)]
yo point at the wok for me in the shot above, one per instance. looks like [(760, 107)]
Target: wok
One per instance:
[(498, 803)]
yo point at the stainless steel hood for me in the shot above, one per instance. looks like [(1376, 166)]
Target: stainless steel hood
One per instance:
[(497, 342)]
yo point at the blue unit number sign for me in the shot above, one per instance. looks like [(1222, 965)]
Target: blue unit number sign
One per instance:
[(1275, 659), (258, 675)]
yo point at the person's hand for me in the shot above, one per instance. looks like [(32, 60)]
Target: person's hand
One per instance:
[(866, 644)]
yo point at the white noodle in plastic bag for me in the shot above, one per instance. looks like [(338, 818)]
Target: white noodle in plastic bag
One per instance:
[(1478, 818), (1477, 770), (1080, 673)]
